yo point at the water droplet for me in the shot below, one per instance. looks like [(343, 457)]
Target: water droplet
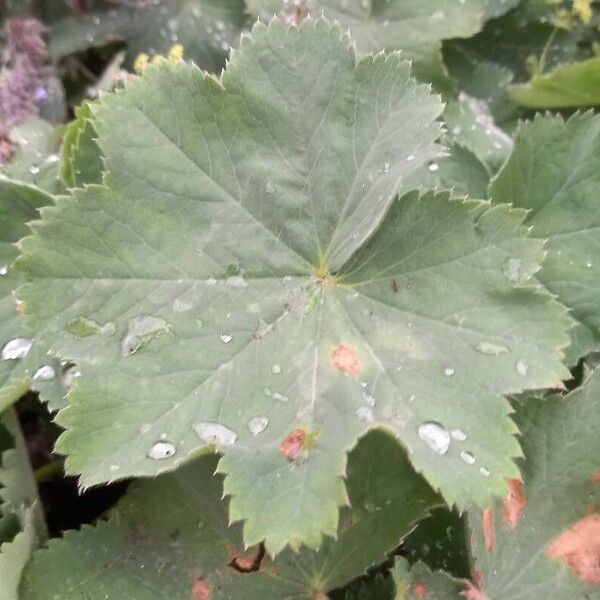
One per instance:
[(257, 425), (410, 157), (513, 270), (522, 368), (45, 373), (491, 348), (459, 435), (82, 327), (270, 188), (17, 348), (140, 330), (161, 451), (113, 468), (276, 369), (436, 436), (34, 170), (211, 281), (365, 414), (3, 269), (215, 433), (69, 375), (433, 167), (236, 281), (484, 471), (448, 372), (225, 338), (279, 397), (181, 305), (467, 457)]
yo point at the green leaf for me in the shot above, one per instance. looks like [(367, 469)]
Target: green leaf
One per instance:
[(81, 160), (414, 26), (553, 173), (525, 551), (19, 502), (19, 204), (205, 28), (461, 171), (569, 85), (419, 583), (169, 531), (256, 284)]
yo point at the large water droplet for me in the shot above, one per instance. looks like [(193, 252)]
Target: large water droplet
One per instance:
[(17, 348), (448, 372), (522, 368), (436, 436), (45, 373), (225, 338), (215, 433), (491, 348), (140, 330), (3, 269), (276, 369), (484, 471), (467, 457), (369, 399), (433, 167), (82, 327), (161, 450), (257, 425)]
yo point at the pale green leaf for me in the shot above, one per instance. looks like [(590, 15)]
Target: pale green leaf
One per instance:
[(568, 85), (419, 583), (81, 161), (19, 204), (560, 490), (553, 172), (167, 532), (249, 259)]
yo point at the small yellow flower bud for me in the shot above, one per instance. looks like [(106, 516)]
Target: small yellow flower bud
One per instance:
[(175, 53), (140, 62)]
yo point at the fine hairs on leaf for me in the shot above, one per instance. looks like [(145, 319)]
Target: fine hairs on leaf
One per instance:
[(256, 263)]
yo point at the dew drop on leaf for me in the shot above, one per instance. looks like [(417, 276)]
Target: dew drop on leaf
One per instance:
[(276, 369), (491, 348), (69, 375), (513, 270), (16, 348), (140, 330), (45, 373), (161, 450), (225, 338), (436, 436), (458, 434), (215, 433), (522, 368), (236, 281), (3, 269), (433, 167), (449, 372), (364, 414), (257, 425), (484, 471), (467, 457)]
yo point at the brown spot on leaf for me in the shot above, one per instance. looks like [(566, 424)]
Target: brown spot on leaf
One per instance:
[(514, 503), (201, 590), (395, 286), (344, 360), (596, 477), (420, 590), (473, 592), (290, 447), (487, 524), (579, 548), (20, 308), (249, 562)]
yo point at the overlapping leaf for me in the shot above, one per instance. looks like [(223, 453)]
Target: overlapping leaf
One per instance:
[(544, 542), (247, 280), (171, 534), (553, 172), (22, 363), (19, 509), (206, 28)]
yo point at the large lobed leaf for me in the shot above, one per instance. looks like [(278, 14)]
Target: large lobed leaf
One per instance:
[(553, 172), (544, 542), (248, 279), (169, 537)]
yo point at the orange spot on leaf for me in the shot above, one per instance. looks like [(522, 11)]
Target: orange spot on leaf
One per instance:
[(290, 447), (514, 503), (344, 360), (596, 477), (420, 590), (247, 563), (473, 593), (579, 548), (487, 524), (21, 308), (201, 590)]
